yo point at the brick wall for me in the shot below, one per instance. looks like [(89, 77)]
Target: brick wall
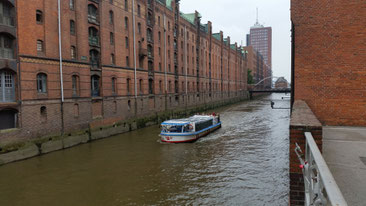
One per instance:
[(329, 59), (302, 120)]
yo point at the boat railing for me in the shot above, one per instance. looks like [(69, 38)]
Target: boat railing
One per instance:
[(320, 186)]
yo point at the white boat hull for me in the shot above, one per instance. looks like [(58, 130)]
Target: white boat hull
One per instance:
[(187, 137)]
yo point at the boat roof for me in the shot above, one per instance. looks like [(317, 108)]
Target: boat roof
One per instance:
[(195, 118)]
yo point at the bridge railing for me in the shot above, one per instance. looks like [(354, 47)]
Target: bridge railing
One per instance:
[(320, 186)]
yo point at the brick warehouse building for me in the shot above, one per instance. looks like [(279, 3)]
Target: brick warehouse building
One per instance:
[(329, 88), (259, 69), (179, 62)]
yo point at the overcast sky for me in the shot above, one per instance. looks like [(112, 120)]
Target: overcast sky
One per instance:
[(235, 17)]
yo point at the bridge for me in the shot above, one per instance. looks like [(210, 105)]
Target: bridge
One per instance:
[(253, 88), (273, 90)]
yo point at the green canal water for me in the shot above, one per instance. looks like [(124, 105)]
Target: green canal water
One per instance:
[(243, 163)]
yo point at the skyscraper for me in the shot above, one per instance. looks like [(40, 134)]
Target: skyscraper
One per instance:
[(260, 38)]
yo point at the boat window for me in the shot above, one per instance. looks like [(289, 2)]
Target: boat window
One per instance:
[(187, 128), (171, 128), (203, 125)]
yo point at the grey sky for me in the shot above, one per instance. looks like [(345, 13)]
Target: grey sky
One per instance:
[(235, 17)]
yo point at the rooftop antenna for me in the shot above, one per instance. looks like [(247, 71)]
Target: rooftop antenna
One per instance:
[(257, 25)]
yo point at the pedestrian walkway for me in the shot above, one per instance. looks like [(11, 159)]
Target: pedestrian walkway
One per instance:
[(344, 150)]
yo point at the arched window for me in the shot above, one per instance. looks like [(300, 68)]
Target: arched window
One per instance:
[(72, 4), (7, 86), (39, 16), (160, 86), (73, 52), (126, 23), (128, 86), (93, 36), (150, 66), (149, 19), (150, 51), (39, 46), (149, 35), (176, 87), (95, 89), (43, 113), (127, 61), (141, 86), (151, 86), (41, 83), (139, 28), (111, 17), (126, 42), (94, 58), (75, 85), (111, 38), (139, 10), (72, 27), (6, 47), (92, 13), (114, 85), (113, 59), (126, 5)]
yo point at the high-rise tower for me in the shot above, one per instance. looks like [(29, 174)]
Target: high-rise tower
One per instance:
[(260, 38)]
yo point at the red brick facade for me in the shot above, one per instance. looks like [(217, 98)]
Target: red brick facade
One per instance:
[(173, 52), (259, 69), (329, 55)]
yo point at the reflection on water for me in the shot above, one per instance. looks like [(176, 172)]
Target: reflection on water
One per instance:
[(243, 163)]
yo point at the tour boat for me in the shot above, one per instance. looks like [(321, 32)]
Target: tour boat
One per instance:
[(189, 129)]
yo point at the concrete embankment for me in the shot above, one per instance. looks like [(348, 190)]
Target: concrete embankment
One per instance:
[(43, 145)]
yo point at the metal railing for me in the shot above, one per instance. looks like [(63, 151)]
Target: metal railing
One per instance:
[(93, 19), (320, 186), (94, 41)]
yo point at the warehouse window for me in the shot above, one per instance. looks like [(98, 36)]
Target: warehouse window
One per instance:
[(7, 86), (41, 83), (39, 16)]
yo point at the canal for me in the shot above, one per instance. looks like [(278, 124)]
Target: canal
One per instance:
[(243, 163)]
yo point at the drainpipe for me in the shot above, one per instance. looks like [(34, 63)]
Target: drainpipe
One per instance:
[(185, 58), (134, 47), (61, 74), (165, 55), (165, 65)]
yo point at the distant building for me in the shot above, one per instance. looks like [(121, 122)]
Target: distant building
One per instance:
[(260, 38), (259, 70), (281, 83)]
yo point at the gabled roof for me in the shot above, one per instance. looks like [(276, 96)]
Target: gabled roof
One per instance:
[(166, 3), (188, 17), (217, 36)]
